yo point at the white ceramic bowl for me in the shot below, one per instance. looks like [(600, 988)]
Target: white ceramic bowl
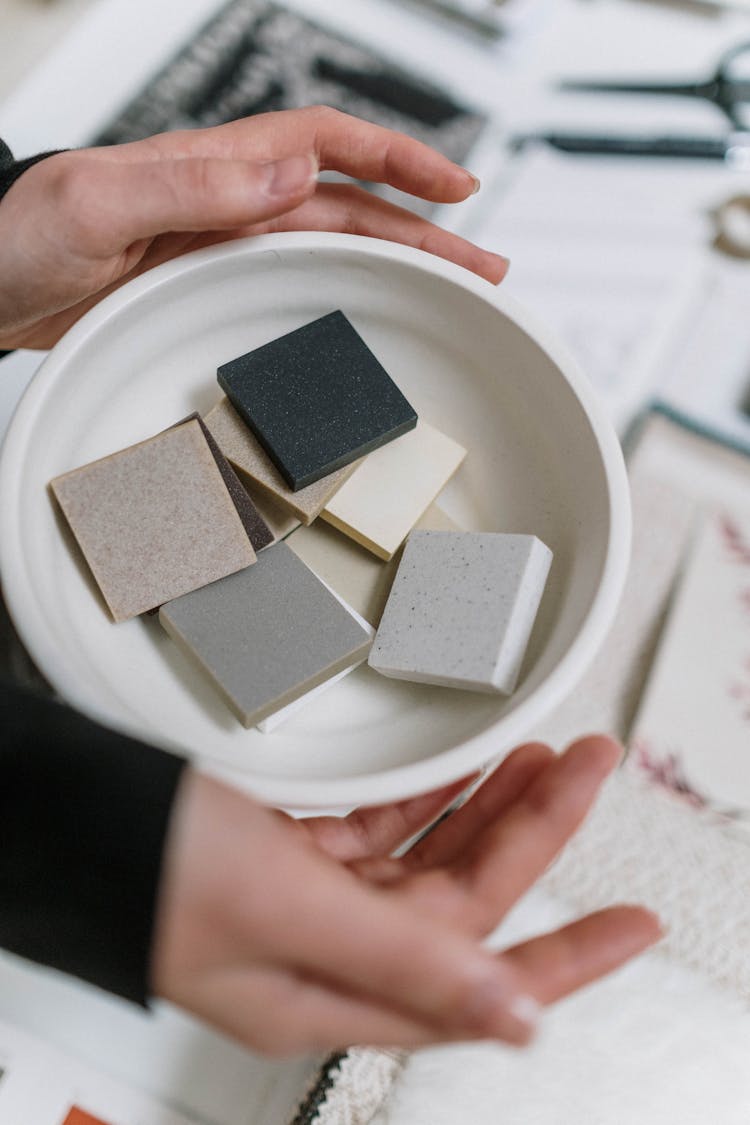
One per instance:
[(543, 459)]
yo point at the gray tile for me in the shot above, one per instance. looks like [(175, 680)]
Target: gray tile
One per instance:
[(461, 609), (267, 635), (317, 399)]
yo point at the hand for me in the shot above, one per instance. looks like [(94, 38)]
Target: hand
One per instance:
[(78, 225), (298, 935)]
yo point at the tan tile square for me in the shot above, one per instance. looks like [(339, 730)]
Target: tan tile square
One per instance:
[(154, 521), (252, 463)]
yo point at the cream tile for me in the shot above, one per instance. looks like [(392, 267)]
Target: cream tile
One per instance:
[(383, 499)]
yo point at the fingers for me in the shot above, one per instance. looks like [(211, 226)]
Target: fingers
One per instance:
[(277, 1013), (372, 153), (448, 842), (367, 941), (502, 861), (508, 857), (342, 143), (559, 963), (344, 208), (377, 831), (110, 205)]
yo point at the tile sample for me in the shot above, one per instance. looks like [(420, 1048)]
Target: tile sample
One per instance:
[(382, 501), (317, 399), (279, 520), (279, 717), (266, 635), (154, 521), (359, 577), (461, 609), (258, 472), (258, 531)]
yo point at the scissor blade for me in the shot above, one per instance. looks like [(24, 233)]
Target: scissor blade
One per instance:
[(679, 89)]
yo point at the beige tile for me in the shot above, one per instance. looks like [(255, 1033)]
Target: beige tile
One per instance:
[(154, 521), (354, 573), (383, 499), (258, 471), (279, 519)]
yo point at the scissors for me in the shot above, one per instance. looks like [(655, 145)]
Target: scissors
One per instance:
[(728, 88)]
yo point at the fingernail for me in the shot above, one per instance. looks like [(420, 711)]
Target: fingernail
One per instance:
[(526, 1010), (476, 182), (512, 1016), (506, 266), (291, 174), (615, 750)]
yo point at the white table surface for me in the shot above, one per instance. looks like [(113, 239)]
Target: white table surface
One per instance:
[(111, 52)]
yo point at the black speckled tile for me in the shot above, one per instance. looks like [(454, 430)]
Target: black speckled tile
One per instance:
[(317, 399)]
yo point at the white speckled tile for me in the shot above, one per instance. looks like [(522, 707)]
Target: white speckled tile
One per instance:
[(388, 492), (461, 609)]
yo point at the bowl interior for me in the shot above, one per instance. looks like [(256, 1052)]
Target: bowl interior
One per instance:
[(148, 356)]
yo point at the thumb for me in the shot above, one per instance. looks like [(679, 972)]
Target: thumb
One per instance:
[(135, 201)]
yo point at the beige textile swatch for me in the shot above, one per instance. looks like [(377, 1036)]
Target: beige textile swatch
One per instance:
[(257, 470), (154, 521)]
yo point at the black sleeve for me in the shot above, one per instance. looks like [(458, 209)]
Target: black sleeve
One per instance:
[(83, 818), (11, 169)]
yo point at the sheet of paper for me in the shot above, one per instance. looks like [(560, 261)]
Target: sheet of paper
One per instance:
[(707, 375), (613, 254), (42, 1085), (692, 731)]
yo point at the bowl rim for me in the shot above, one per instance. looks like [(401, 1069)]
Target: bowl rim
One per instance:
[(394, 782)]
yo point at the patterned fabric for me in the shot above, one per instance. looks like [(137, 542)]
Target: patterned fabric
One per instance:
[(351, 1087), (643, 845)]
